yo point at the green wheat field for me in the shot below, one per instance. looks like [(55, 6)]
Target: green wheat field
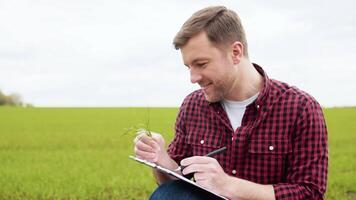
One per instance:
[(81, 153)]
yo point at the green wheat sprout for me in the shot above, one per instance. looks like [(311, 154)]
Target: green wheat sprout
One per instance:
[(140, 128)]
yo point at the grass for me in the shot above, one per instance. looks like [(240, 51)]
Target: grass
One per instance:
[(342, 153), (81, 153)]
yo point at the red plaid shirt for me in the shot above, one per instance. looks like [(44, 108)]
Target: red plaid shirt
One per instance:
[(282, 139)]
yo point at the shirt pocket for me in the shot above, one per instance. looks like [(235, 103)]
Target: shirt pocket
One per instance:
[(266, 160), (202, 144), (269, 147)]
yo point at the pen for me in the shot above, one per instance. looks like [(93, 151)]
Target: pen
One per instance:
[(209, 155), (216, 151)]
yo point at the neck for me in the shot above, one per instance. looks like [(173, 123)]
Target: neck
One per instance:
[(247, 82)]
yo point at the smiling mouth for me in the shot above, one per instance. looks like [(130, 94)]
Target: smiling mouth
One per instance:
[(206, 86)]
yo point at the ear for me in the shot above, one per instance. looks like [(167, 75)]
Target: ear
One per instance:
[(237, 52)]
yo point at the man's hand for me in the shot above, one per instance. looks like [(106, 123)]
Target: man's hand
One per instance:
[(207, 172), (150, 148)]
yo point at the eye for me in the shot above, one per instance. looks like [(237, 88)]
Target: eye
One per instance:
[(204, 64)]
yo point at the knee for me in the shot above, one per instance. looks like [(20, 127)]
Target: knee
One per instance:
[(164, 191), (174, 190)]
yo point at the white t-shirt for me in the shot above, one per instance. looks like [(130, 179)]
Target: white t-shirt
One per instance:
[(236, 109)]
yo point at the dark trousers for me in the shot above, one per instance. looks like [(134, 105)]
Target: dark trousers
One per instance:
[(180, 190)]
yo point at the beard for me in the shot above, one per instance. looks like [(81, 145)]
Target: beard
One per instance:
[(219, 89), (213, 93)]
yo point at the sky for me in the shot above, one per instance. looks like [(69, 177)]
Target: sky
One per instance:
[(83, 53)]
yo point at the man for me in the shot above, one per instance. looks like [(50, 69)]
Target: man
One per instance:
[(275, 134)]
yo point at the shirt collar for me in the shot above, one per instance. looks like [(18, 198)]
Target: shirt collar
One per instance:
[(266, 86), (260, 104), (262, 94)]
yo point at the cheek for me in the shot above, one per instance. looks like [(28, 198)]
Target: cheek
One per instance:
[(222, 78)]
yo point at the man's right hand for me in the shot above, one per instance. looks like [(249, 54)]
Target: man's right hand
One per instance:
[(150, 148), (153, 149)]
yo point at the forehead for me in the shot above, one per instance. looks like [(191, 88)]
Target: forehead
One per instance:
[(198, 47)]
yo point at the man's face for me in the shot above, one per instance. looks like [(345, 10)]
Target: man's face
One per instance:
[(212, 68)]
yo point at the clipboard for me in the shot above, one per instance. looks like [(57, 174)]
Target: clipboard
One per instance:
[(174, 174)]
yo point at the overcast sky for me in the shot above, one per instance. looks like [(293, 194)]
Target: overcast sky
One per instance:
[(120, 53)]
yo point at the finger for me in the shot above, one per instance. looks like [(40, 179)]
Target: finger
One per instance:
[(200, 176), (204, 183), (157, 138), (145, 155), (197, 160), (139, 136), (194, 168), (144, 147), (148, 141)]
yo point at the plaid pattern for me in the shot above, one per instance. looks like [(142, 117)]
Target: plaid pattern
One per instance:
[(282, 139)]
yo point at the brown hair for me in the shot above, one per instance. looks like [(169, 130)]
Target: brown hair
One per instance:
[(222, 26)]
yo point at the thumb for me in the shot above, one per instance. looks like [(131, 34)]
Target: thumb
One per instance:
[(158, 138)]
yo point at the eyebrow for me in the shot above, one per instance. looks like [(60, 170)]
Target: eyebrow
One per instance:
[(197, 60)]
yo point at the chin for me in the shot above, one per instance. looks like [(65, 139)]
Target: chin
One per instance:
[(211, 99)]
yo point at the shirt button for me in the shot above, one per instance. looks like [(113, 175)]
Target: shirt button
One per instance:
[(258, 106), (232, 139), (271, 148), (233, 171), (201, 141)]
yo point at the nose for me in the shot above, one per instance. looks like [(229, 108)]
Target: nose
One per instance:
[(195, 76)]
